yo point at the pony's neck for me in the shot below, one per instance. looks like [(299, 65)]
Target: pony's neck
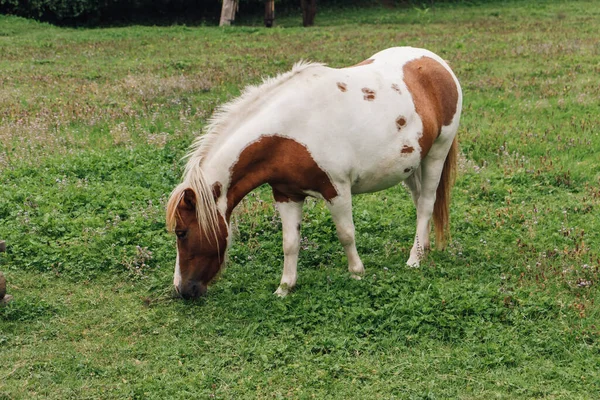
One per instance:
[(242, 124), (232, 178), (280, 161), (239, 187)]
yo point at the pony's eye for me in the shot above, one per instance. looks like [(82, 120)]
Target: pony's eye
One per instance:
[(181, 234)]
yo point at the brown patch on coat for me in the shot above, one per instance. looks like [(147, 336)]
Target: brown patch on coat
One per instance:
[(342, 86), (434, 94), (365, 62), (407, 149), (217, 189), (400, 122), (283, 163), (369, 94), (396, 88), (286, 193)]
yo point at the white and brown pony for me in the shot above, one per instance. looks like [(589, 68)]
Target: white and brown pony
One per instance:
[(326, 133)]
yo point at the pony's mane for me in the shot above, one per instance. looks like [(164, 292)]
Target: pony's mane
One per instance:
[(252, 97), (224, 116)]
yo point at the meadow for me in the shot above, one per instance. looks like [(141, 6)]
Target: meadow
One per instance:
[(93, 126)]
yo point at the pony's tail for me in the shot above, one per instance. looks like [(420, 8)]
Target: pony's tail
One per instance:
[(441, 208)]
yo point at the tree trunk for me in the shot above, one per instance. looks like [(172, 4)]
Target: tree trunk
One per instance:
[(2, 286), (389, 3), (228, 12), (269, 13), (309, 10)]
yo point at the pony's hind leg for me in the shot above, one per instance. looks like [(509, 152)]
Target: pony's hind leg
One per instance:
[(341, 213), (291, 216), (431, 171), (413, 183), (421, 243)]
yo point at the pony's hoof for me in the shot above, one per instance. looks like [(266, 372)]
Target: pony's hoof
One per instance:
[(282, 291), (412, 263), (7, 299), (357, 271)]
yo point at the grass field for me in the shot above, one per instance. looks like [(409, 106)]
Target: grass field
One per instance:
[(93, 124)]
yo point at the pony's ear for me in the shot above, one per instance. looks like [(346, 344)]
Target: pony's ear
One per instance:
[(188, 199)]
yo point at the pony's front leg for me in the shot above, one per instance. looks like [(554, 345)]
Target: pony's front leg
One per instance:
[(341, 213), (291, 216)]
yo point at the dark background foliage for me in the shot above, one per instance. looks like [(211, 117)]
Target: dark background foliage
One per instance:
[(111, 12)]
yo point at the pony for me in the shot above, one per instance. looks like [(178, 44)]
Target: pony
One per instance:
[(327, 133)]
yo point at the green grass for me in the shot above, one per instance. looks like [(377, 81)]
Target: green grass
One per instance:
[(93, 124)]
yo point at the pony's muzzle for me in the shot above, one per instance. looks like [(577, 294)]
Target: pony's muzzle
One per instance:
[(191, 290)]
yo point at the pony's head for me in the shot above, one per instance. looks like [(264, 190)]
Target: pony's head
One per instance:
[(201, 237)]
